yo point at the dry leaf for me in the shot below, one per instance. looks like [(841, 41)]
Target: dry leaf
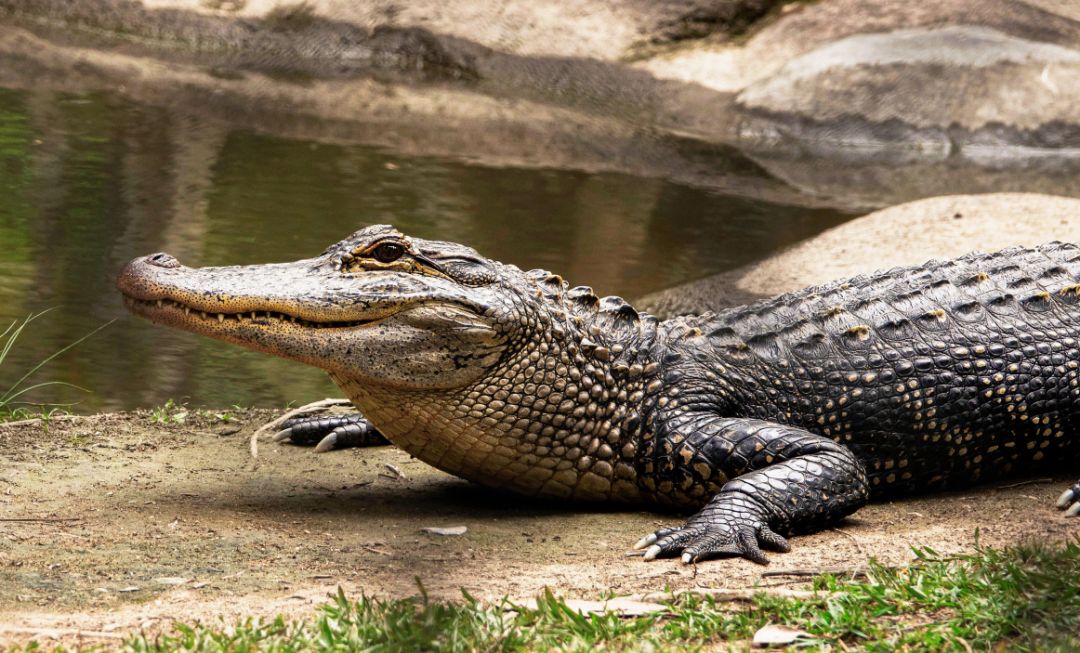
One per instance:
[(778, 635)]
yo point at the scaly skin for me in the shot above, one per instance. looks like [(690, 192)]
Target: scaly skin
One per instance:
[(777, 417)]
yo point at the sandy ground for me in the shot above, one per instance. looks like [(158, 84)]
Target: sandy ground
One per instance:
[(116, 522)]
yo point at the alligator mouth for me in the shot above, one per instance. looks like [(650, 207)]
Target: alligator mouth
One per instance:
[(170, 308)]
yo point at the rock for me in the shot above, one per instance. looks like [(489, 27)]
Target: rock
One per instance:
[(700, 18), (942, 89), (449, 530), (596, 29), (955, 76), (984, 82), (171, 580), (291, 41), (907, 234)]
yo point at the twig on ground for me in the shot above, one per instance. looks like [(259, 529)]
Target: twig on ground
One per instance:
[(59, 632), (836, 571), (735, 594), (40, 420), (40, 520), (374, 550), (313, 407), (1032, 481), (852, 538)]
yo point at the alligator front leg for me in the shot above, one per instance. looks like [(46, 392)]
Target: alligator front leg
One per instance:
[(782, 479), (331, 432)]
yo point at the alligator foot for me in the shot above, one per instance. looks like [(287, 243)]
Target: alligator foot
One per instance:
[(723, 529), (1069, 501), (331, 432)]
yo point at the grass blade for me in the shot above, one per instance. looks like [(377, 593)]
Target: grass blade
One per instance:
[(8, 400), (15, 386)]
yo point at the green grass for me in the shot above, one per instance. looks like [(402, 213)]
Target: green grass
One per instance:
[(1025, 598), (12, 405), (177, 412)]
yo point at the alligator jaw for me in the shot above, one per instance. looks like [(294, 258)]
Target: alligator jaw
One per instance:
[(236, 303), (387, 327), (179, 314)]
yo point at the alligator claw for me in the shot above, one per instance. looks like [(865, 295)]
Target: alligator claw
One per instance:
[(645, 541), (1066, 498), (283, 435), (327, 443), (1069, 501)]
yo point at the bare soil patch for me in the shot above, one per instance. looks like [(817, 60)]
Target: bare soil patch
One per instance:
[(116, 522)]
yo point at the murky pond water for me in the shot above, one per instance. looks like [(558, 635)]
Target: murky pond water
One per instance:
[(91, 180)]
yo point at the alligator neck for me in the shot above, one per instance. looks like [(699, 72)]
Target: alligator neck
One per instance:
[(561, 417)]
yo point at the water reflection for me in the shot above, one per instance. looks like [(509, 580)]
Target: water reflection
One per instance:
[(91, 180)]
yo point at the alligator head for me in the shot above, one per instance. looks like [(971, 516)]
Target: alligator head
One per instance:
[(505, 377), (377, 307)]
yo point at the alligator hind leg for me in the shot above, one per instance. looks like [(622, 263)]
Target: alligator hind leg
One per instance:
[(782, 479)]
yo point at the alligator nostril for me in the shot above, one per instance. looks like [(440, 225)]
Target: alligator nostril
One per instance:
[(161, 259)]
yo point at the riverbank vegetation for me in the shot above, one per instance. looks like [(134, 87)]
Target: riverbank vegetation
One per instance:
[(1022, 598)]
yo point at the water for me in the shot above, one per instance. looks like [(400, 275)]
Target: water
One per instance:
[(91, 180)]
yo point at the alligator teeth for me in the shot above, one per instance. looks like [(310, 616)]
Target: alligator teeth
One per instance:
[(187, 310), (160, 303), (220, 317), (253, 315)]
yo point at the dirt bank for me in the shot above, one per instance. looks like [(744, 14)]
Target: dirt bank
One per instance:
[(117, 522)]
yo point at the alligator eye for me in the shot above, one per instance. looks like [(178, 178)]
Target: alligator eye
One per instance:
[(388, 252)]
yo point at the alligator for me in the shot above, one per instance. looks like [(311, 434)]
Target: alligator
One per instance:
[(770, 419)]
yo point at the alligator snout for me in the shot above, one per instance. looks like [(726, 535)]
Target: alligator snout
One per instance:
[(140, 279)]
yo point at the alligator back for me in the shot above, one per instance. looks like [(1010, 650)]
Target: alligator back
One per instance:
[(934, 375)]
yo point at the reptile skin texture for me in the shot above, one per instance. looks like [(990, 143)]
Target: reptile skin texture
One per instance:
[(779, 417)]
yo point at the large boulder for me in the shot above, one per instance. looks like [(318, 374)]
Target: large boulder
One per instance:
[(948, 77), (596, 29), (907, 234), (994, 83)]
